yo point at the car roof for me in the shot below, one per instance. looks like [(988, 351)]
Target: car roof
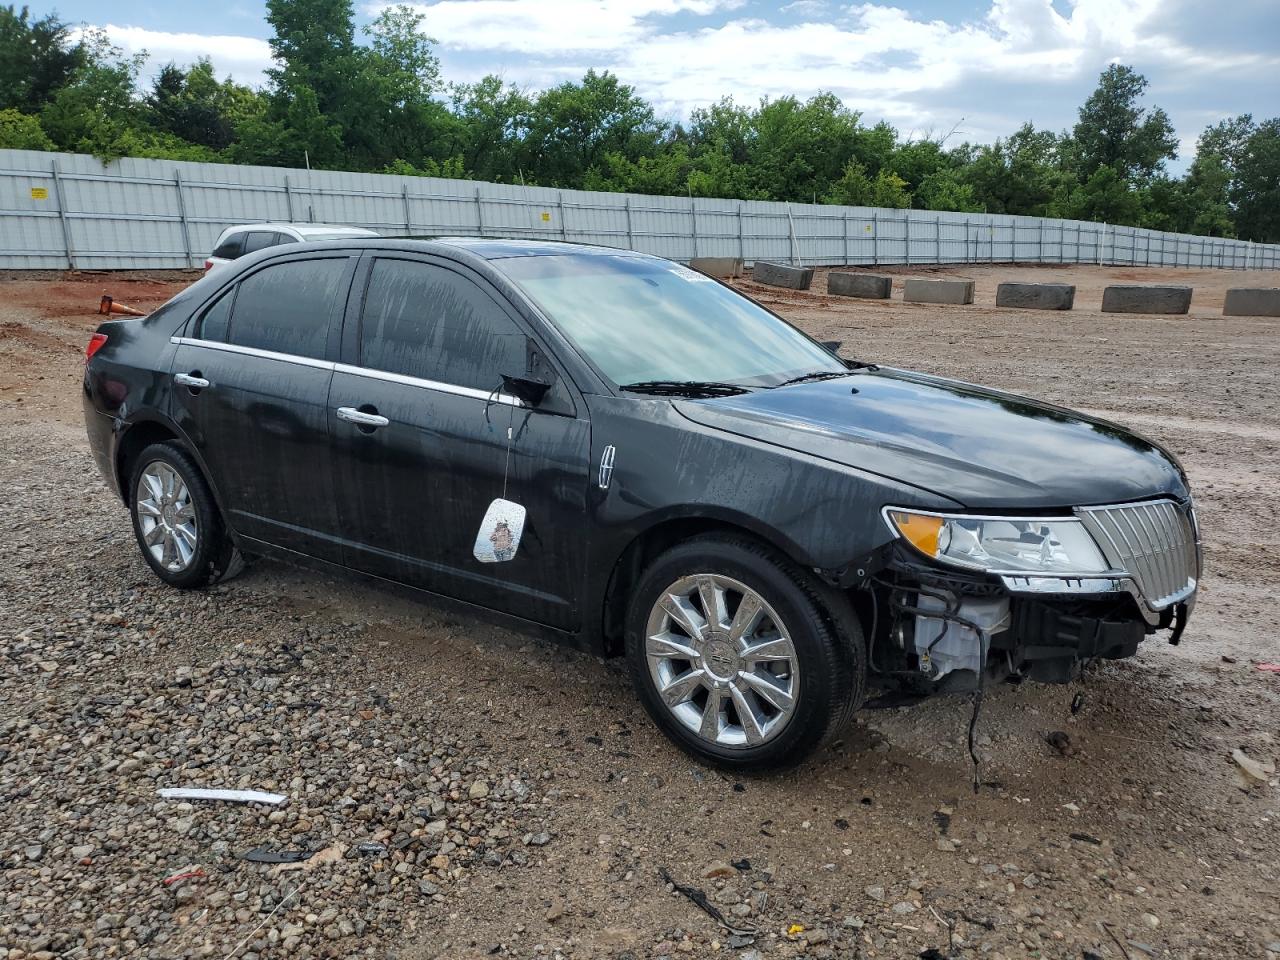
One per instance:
[(303, 229), (496, 249)]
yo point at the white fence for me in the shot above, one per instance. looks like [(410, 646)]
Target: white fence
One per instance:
[(60, 210)]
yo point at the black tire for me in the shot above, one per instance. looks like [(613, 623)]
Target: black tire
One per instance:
[(823, 628), (215, 556)]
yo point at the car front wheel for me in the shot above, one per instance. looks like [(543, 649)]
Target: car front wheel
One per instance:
[(740, 656)]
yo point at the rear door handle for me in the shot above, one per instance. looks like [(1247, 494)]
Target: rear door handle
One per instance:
[(190, 380), (362, 419)]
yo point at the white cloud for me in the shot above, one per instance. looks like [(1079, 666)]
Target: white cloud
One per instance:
[(542, 28), (806, 8), (244, 58), (878, 58), (1021, 59)]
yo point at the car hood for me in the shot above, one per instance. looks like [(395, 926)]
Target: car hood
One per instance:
[(979, 447)]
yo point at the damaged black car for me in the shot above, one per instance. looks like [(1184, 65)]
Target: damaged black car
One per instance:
[(614, 450)]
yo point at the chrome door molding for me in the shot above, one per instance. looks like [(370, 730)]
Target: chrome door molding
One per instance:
[(433, 385), (252, 352)]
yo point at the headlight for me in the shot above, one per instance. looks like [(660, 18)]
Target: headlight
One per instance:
[(1002, 544)]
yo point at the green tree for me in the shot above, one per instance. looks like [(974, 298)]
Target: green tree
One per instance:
[(492, 118), (715, 174), (1256, 192), (194, 106), (666, 173), (724, 128), (451, 169), (391, 109), (946, 190), (916, 160), (1104, 197), (1115, 132), (314, 46), (1019, 175), (856, 188), (1227, 139), (37, 58), (19, 131), (574, 126), (800, 150), (98, 111), (289, 134)]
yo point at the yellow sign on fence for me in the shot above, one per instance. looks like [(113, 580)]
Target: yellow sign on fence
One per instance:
[(39, 193), (546, 217)]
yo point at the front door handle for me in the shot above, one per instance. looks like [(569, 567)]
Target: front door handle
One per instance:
[(192, 380), (362, 419)]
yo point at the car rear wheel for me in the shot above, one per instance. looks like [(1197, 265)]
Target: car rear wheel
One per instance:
[(176, 520), (741, 657)]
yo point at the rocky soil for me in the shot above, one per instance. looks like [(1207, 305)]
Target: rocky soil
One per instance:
[(463, 791)]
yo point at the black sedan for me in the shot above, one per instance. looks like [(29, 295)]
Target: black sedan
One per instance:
[(616, 450)]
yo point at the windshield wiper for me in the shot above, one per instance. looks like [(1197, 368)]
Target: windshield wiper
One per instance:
[(684, 388), (816, 375)]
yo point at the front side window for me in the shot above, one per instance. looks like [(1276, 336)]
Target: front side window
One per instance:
[(640, 319), (429, 322), (286, 307)]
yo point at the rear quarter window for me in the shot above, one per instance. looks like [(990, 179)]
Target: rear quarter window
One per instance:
[(231, 247), (288, 307), (216, 319)]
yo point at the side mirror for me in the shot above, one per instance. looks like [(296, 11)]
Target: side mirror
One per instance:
[(529, 389), (832, 345)]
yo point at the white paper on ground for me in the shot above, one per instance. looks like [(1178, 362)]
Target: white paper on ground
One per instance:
[(499, 536), (232, 796)]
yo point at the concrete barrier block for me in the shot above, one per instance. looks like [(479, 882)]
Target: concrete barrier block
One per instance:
[(719, 267), (866, 285), (919, 290), (1135, 299), (781, 275), (1036, 296), (1252, 302)]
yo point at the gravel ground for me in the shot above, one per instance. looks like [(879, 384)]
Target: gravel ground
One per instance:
[(470, 792)]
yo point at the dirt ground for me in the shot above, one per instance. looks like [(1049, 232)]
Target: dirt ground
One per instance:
[(1143, 842)]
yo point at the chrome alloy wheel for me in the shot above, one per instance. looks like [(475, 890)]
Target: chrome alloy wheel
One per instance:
[(166, 516), (722, 661)]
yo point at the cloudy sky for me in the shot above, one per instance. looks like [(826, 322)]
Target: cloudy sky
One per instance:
[(980, 67)]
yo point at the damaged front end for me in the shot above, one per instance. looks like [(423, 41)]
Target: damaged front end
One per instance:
[(955, 601)]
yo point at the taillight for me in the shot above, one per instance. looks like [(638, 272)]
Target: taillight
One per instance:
[(95, 344), (208, 265)]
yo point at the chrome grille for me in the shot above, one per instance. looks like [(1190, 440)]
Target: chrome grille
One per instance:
[(1154, 542)]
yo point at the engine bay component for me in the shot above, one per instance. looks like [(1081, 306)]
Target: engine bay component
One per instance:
[(952, 643)]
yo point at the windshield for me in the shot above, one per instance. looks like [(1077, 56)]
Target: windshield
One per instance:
[(642, 320)]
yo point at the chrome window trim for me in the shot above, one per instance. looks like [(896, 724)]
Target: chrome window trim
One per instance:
[(400, 378), (434, 385), (253, 352)]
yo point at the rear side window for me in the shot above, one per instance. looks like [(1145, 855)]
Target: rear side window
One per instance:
[(217, 319), (286, 307), (428, 322), (260, 240), (231, 247)]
